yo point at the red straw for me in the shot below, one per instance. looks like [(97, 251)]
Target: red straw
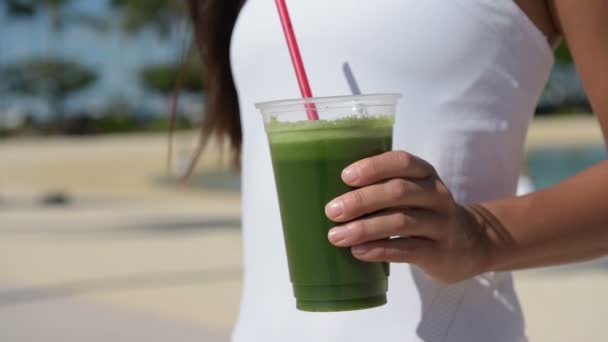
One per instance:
[(296, 58)]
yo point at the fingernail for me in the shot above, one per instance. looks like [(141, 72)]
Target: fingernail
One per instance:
[(338, 234), (350, 174), (359, 250), (334, 209)]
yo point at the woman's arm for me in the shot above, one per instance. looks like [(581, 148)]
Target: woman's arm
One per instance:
[(402, 212), (567, 222)]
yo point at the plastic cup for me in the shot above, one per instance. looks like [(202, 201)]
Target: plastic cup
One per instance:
[(308, 157)]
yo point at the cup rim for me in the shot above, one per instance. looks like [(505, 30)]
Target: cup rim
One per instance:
[(379, 99)]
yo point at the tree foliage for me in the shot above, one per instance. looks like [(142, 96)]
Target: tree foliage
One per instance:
[(30, 8), (44, 75), (163, 77), (139, 14), (51, 78)]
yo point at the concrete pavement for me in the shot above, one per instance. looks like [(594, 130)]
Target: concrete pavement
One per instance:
[(132, 259), (76, 319), (182, 264)]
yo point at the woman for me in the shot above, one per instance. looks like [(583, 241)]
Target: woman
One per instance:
[(471, 72)]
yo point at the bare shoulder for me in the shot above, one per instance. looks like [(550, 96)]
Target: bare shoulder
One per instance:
[(583, 26), (568, 15)]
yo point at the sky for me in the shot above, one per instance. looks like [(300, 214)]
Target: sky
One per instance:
[(116, 56)]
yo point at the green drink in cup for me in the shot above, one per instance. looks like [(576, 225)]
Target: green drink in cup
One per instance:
[(308, 157)]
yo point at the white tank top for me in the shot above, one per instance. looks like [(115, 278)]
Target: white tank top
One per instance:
[(470, 72)]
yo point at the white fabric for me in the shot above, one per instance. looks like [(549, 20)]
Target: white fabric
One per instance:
[(524, 185), (470, 72)]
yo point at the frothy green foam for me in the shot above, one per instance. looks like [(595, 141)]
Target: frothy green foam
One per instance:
[(347, 127)]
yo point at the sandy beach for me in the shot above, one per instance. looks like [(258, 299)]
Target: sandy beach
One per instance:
[(133, 258)]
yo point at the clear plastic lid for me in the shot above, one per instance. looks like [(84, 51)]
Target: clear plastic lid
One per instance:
[(329, 108)]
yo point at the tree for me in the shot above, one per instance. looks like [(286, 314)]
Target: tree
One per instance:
[(160, 15), (30, 8), (54, 79), (19, 8), (162, 78)]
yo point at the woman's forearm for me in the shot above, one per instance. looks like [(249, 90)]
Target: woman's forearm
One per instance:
[(564, 223)]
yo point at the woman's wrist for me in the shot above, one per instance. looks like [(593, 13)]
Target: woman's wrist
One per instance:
[(497, 241)]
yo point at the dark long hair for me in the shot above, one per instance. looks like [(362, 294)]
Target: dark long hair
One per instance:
[(213, 22)]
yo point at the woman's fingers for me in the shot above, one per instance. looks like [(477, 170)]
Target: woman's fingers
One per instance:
[(386, 224), (394, 193), (410, 250), (389, 194), (394, 164)]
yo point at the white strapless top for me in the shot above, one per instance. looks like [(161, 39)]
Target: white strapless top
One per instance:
[(470, 72)]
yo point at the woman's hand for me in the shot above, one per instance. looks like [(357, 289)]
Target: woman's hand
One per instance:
[(402, 212)]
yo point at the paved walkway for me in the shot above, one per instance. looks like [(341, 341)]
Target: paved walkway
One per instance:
[(40, 318), (154, 261), (132, 259), (564, 130)]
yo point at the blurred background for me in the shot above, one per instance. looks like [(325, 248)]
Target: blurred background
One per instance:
[(96, 241)]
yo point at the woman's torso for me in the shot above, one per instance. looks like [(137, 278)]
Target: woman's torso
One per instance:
[(470, 72)]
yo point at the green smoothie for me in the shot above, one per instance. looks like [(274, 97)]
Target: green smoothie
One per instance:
[(308, 158)]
